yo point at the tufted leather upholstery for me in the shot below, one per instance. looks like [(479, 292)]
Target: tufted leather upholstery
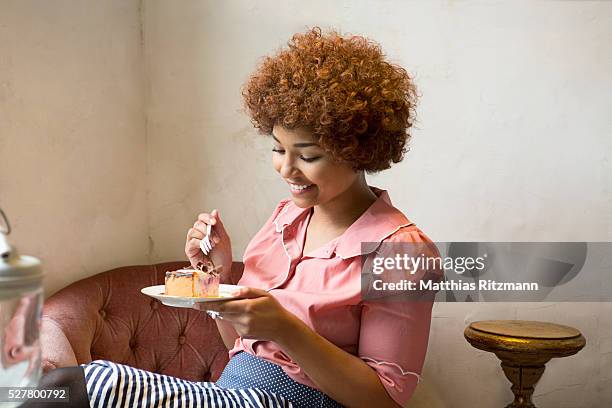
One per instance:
[(106, 317)]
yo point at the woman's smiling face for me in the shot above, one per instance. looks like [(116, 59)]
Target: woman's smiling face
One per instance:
[(311, 174)]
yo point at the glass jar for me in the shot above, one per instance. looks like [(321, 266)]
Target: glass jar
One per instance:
[(21, 296)]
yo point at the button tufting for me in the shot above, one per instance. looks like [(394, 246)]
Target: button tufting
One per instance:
[(181, 340), (154, 304), (132, 343), (103, 313)]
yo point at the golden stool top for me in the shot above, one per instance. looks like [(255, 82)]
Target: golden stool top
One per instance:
[(526, 328), (524, 339)]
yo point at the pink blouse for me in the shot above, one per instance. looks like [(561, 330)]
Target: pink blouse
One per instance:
[(323, 289)]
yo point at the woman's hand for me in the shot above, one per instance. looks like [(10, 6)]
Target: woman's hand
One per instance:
[(221, 254), (258, 315)]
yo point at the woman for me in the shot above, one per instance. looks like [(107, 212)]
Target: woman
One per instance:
[(302, 334)]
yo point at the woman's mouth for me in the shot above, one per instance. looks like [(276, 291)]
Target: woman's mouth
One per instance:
[(298, 189)]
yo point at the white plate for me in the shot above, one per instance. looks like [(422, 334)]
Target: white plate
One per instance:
[(157, 292)]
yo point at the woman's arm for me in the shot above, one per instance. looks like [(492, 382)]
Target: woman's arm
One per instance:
[(343, 376), (227, 332)]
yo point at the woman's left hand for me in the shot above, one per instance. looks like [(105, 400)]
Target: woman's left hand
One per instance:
[(258, 315)]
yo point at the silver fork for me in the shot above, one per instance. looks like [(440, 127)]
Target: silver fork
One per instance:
[(206, 244)]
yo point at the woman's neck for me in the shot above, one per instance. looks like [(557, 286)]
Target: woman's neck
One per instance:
[(345, 209)]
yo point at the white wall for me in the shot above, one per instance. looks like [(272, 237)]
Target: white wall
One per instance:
[(513, 144), (72, 135), (111, 143)]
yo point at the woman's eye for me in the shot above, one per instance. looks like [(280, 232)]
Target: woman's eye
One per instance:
[(310, 159), (306, 159)]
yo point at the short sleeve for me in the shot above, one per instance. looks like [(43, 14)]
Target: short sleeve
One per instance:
[(394, 335)]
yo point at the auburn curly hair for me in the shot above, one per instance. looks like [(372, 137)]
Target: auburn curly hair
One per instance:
[(358, 106)]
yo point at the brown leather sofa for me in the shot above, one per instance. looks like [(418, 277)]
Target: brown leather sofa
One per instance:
[(106, 317)]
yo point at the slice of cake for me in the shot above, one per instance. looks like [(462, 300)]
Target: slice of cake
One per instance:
[(201, 282)]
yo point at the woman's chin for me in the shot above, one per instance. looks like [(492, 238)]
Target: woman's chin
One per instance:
[(302, 203)]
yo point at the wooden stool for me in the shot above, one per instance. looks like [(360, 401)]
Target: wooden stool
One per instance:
[(524, 347)]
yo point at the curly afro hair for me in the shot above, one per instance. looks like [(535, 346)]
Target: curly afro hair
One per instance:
[(358, 106)]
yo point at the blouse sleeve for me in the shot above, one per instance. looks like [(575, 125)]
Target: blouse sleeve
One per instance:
[(394, 335)]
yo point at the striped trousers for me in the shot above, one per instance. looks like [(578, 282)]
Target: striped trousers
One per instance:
[(117, 385), (247, 381)]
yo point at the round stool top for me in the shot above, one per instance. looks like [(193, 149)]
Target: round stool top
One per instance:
[(526, 329)]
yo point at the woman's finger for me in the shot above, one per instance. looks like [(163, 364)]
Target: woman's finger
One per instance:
[(216, 218), (213, 219), (214, 306), (193, 247), (191, 233), (195, 233), (249, 293), (200, 226), (207, 218), (238, 306), (193, 243)]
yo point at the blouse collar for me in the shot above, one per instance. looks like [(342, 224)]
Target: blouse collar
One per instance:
[(377, 223)]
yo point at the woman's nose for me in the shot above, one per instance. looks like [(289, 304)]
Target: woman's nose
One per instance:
[(288, 168)]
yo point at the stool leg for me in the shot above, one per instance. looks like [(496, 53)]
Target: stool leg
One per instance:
[(523, 379)]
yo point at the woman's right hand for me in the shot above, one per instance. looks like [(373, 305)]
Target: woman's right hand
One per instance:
[(221, 254)]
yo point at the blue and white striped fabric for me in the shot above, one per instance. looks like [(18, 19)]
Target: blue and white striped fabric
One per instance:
[(247, 381)]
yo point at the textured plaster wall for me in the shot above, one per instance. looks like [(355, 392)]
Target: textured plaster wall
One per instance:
[(121, 120), (513, 144), (72, 135)]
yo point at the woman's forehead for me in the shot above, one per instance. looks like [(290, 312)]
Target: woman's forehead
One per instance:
[(293, 136)]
